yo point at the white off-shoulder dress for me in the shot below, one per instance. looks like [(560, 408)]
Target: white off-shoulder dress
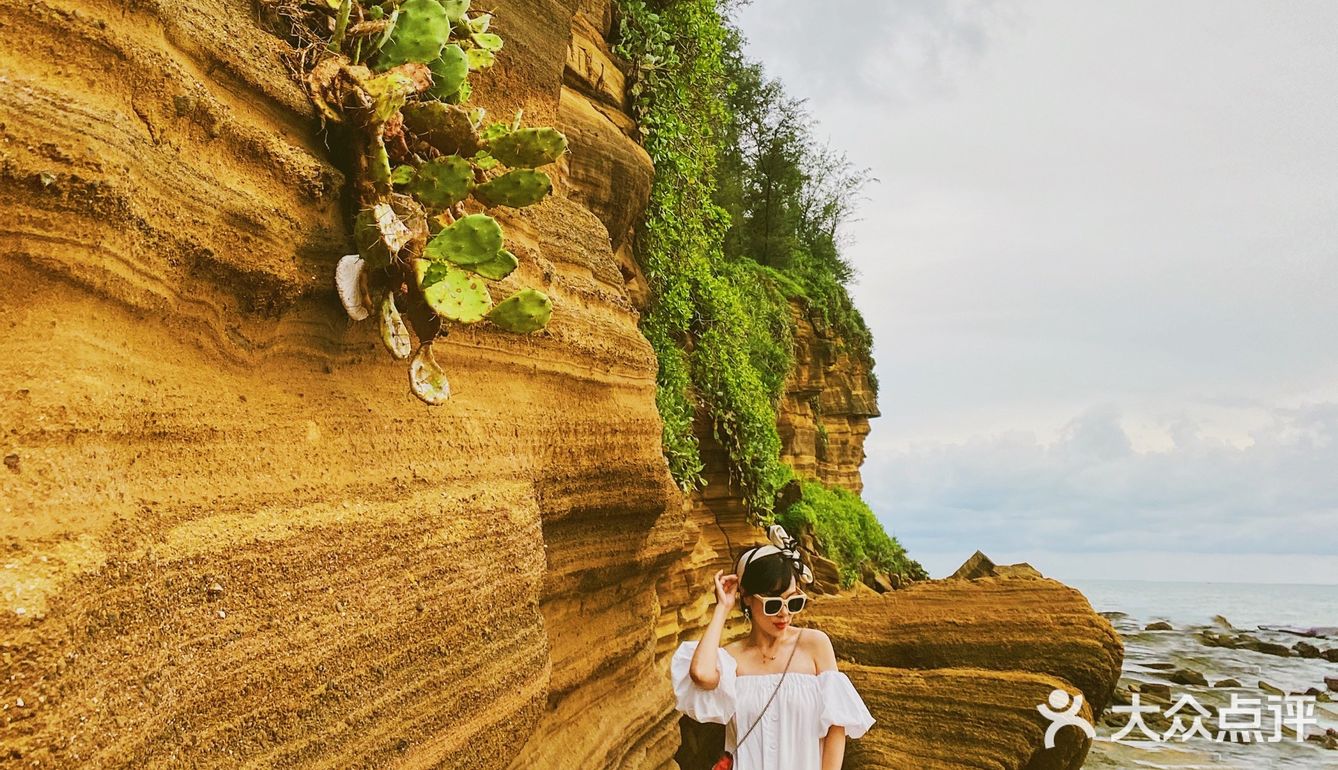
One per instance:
[(789, 737)]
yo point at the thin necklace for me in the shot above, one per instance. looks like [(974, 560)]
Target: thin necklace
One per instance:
[(768, 658)]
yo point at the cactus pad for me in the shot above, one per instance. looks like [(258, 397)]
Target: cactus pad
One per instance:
[(394, 334), (427, 379), (389, 92), (452, 292), (455, 9), (443, 182), (380, 234), (448, 72), (525, 311), (351, 284), (497, 268), (521, 187), (487, 41), (378, 161), (469, 241), (444, 126), (480, 58), (420, 33), (529, 147)]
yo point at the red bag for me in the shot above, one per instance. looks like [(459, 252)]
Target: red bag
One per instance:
[(726, 762)]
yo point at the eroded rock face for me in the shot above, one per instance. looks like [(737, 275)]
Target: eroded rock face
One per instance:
[(825, 412), (229, 532)]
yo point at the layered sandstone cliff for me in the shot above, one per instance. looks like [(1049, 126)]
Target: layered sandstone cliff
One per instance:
[(229, 531), (229, 534)]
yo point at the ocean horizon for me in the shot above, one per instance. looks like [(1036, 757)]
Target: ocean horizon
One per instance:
[(1245, 605)]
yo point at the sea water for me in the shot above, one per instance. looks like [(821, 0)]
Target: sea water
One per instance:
[(1189, 608), (1246, 605)]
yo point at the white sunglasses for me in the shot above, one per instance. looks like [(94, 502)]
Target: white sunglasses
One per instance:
[(771, 605)]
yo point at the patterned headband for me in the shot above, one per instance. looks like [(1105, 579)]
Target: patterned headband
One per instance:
[(781, 543)]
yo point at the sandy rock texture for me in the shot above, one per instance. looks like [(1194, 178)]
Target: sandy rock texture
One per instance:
[(825, 413), (956, 668), (228, 533)]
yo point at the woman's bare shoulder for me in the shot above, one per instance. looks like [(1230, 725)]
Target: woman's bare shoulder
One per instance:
[(814, 638), (817, 644)]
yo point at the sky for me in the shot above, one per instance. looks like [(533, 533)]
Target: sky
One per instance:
[(1100, 264)]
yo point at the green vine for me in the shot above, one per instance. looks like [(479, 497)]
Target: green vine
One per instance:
[(721, 331), (426, 168)]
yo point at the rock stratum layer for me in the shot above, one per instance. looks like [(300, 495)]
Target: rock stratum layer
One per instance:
[(230, 535)]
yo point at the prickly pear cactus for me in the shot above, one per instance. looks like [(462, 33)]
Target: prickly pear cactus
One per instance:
[(529, 147), (455, 9), (523, 312), (396, 74), (380, 235), (518, 188), (455, 293), (443, 182), (469, 241), (421, 31), (449, 72), (427, 379), (445, 128), (502, 264), (394, 334)]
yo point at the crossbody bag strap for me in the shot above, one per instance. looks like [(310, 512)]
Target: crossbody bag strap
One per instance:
[(773, 692)]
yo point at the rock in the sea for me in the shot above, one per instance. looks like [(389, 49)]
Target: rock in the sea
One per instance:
[(1332, 682), (1228, 682), (1188, 676), (1219, 620), (1272, 648), (1152, 691), (1158, 625), (1306, 650), (1330, 655), (1311, 631)]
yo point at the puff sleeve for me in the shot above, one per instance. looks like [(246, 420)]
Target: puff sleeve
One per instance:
[(704, 705), (842, 705)]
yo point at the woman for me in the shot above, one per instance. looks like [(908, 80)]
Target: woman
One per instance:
[(777, 690)]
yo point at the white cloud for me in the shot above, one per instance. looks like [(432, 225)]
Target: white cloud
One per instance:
[(1089, 492)]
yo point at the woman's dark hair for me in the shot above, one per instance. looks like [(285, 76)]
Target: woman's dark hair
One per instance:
[(769, 575)]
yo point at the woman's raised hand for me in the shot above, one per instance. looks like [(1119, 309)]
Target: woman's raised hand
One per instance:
[(726, 590)]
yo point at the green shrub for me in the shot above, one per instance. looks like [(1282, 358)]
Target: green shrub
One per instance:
[(721, 331), (848, 532), (731, 236)]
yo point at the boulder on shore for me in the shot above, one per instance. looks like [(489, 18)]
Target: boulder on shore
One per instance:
[(979, 654)]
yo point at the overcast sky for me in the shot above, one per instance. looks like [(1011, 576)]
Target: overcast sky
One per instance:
[(1101, 268)]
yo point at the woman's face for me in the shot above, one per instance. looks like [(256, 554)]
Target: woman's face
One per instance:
[(775, 623)]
